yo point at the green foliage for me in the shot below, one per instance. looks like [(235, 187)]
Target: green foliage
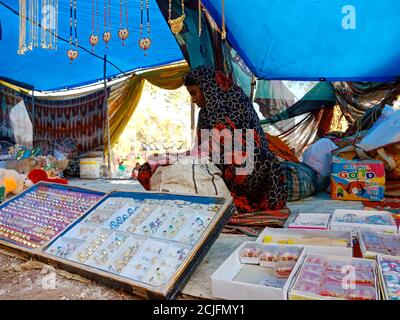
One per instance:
[(162, 120)]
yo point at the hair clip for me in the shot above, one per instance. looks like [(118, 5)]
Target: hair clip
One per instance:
[(200, 221)]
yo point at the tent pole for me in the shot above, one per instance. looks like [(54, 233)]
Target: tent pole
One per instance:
[(107, 117), (33, 116)]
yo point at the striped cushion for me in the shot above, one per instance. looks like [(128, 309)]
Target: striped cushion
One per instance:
[(301, 180)]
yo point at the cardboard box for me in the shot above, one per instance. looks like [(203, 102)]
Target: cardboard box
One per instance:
[(314, 241), (374, 243), (234, 280), (315, 221), (368, 220), (357, 180), (345, 267)]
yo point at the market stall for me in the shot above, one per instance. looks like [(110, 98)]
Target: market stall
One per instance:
[(167, 244)]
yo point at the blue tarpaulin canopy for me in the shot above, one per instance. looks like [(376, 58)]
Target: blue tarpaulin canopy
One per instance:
[(335, 40), (51, 69)]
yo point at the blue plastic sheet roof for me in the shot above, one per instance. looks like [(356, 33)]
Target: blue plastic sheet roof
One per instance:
[(51, 70), (349, 40)]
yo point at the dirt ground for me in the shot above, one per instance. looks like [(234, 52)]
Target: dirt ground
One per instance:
[(21, 279), (29, 280)]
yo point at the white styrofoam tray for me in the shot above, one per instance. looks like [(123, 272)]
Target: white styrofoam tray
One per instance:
[(224, 285), (355, 227), (321, 249)]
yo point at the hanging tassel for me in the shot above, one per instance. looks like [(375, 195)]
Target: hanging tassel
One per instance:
[(199, 18), (223, 32)]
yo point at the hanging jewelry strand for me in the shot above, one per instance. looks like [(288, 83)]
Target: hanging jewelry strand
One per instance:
[(29, 16), (107, 28), (43, 30), (22, 27), (36, 24), (72, 53), (177, 23), (49, 30), (54, 29), (144, 42), (94, 37), (123, 31), (32, 20)]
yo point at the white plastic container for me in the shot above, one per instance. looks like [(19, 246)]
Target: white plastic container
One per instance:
[(311, 221), (317, 246), (235, 280), (348, 220), (90, 168)]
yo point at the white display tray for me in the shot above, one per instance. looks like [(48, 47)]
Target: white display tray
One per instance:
[(299, 295), (354, 227), (224, 285), (314, 221), (317, 248), (370, 254), (384, 289)]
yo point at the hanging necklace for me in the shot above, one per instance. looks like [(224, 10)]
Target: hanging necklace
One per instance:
[(123, 31), (33, 20), (22, 27), (72, 53), (144, 42), (55, 25), (44, 26), (94, 37), (29, 25), (107, 28), (49, 24), (177, 23)]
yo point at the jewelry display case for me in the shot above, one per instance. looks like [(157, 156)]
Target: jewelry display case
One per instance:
[(257, 271), (312, 221), (329, 277), (389, 274), (37, 215), (314, 241), (374, 243), (146, 243), (363, 220)]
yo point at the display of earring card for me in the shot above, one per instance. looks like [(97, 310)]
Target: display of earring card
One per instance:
[(374, 243), (389, 275), (257, 271), (313, 221), (148, 243), (329, 277), (367, 220), (36, 216), (314, 241)]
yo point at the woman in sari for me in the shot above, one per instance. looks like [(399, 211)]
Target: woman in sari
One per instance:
[(225, 108)]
